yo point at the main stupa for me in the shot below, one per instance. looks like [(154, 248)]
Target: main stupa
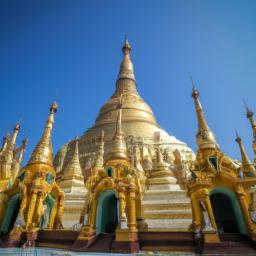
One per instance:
[(139, 126)]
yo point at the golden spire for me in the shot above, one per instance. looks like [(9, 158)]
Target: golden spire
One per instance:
[(22, 150), (119, 149), (126, 67), (205, 138), (73, 167), (249, 115), (136, 108), (248, 167), (42, 153), (6, 140), (100, 156), (14, 136)]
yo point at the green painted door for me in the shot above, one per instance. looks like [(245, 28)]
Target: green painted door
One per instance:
[(107, 212), (11, 213), (227, 212), (45, 219)]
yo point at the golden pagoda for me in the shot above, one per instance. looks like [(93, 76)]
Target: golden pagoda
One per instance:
[(139, 128), (126, 185), (34, 201)]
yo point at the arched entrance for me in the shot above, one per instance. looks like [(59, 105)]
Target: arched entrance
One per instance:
[(11, 213), (45, 219), (107, 212), (227, 212)]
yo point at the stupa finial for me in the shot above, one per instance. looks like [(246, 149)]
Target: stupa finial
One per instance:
[(14, 136), (205, 137), (246, 163), (43, 153), (6, 140), (126, 67), (119, 149)]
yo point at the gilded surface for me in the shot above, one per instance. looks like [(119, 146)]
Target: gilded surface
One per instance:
[(138, 125), (212, 170), (34, 184), (10, 159)]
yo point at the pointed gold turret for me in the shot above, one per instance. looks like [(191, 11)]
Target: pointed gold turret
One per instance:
[(72, 183), (17, 159), (119, 150), (248, 167), (43, 152), (14, 137), (126, 67), (10, 150), (249, 115), (6, 140), (73, 168), (22, 150), (205, 137)]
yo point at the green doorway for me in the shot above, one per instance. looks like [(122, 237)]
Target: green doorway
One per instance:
[(107, 212), (45, 218), (227, 212), (11, 214)]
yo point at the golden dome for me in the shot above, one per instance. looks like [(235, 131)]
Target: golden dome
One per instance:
[(138, 121)]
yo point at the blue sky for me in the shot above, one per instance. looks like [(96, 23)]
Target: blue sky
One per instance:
[(71, 51)]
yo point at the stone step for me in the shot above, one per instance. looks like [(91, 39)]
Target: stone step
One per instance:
[(166, 205), (169, 224), (170, 187), (164, 194), (166, 201), (167, 191), (168, 214)]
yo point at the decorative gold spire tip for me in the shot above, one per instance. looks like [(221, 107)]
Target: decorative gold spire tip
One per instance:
[(54, 107), (24, 142), (126, 67), (195, 92), (238, 138), (7, 136), (17, 127), (249, 113), (126, 47)]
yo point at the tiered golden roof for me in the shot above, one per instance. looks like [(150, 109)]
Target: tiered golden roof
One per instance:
[(73, 176)]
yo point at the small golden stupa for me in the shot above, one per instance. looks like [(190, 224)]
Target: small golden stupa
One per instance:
[(34, 201)]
